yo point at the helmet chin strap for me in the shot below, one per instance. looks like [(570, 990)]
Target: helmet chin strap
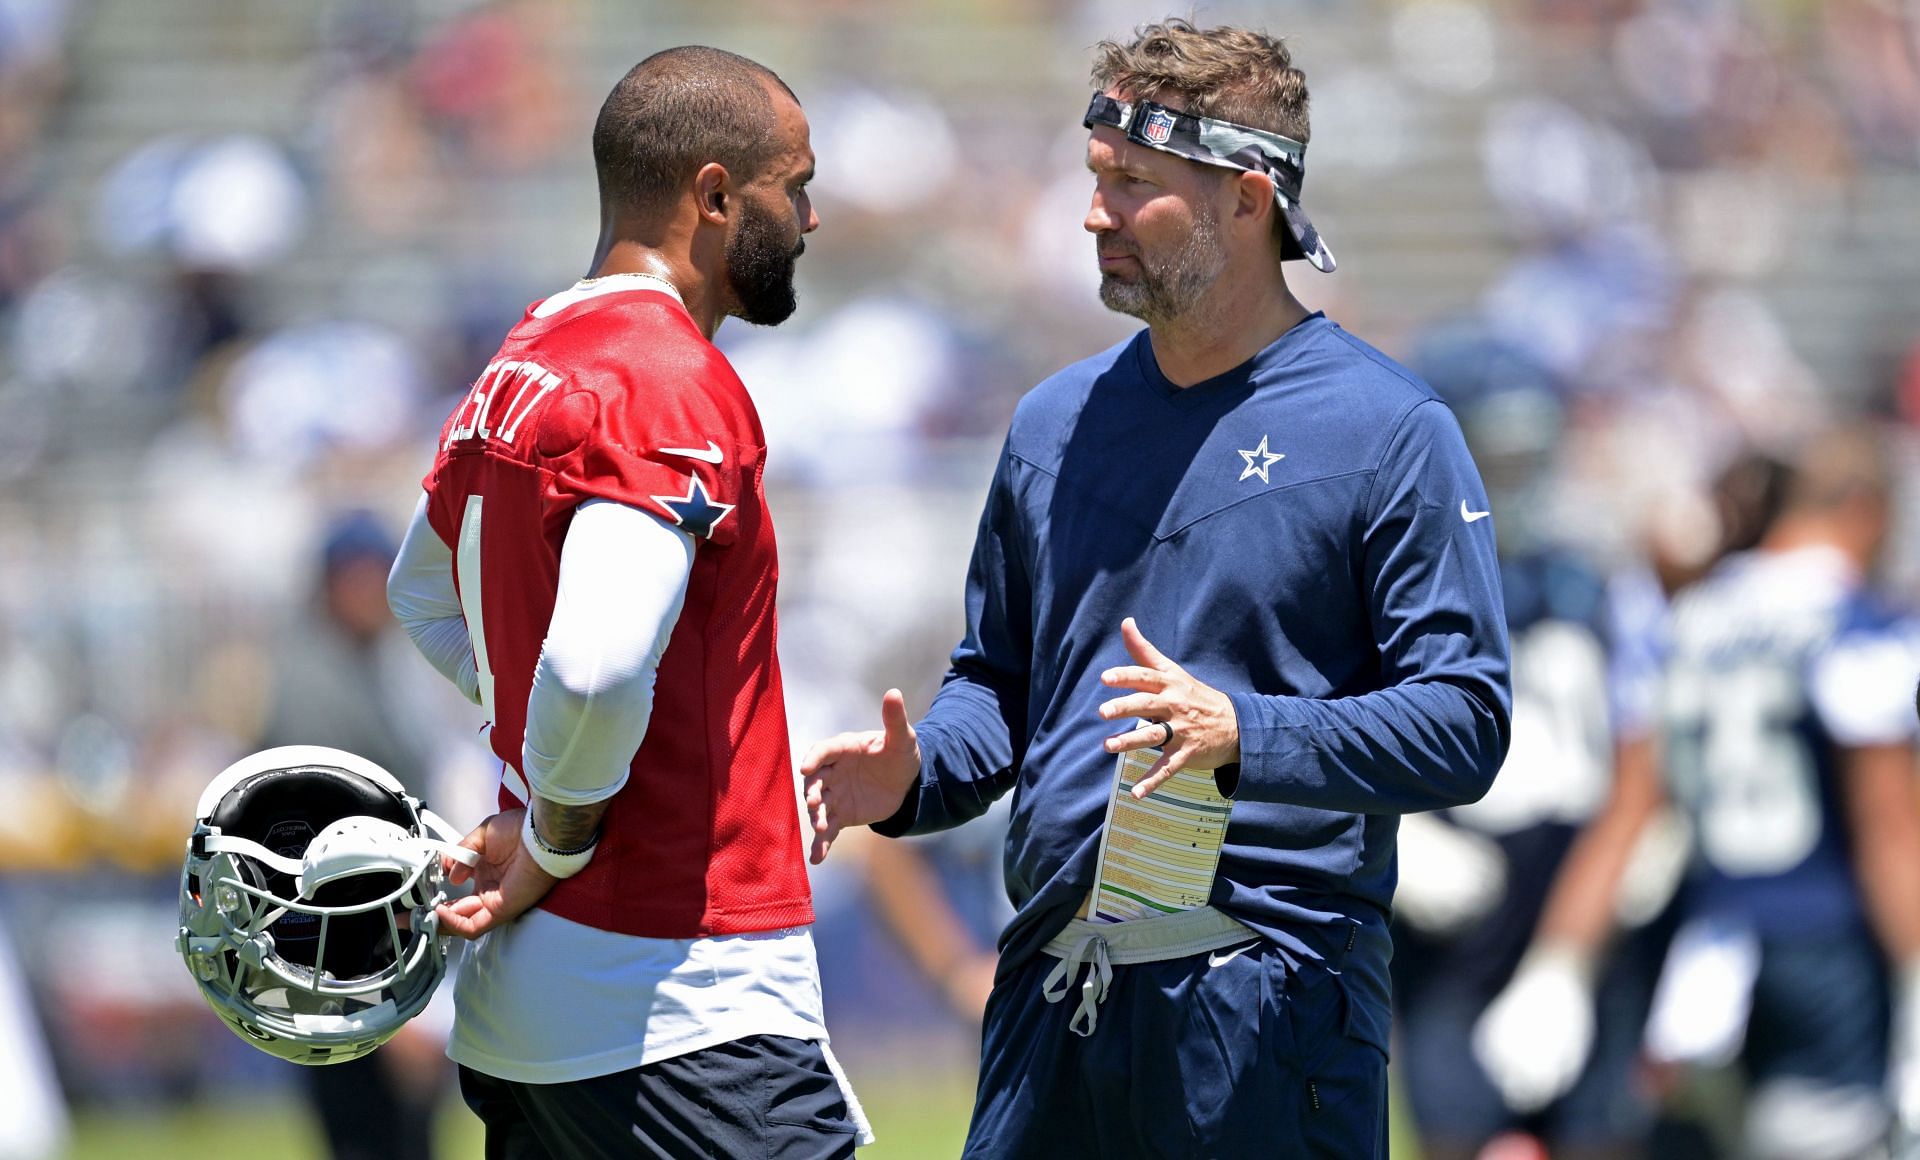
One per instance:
[(368, 858)]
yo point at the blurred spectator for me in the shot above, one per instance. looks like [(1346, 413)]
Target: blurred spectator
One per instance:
[(344, 677), (487, 80), (35, 1126)]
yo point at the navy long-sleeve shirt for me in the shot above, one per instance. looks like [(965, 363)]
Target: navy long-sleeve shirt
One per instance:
[(1305, 533)]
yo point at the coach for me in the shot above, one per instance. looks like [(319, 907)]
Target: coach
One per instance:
[(1267, 541)]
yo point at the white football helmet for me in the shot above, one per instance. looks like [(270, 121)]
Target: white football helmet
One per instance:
[(307, 902)]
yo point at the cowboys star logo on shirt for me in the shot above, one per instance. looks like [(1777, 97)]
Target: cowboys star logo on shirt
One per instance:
[(1158, 127), (697, 513)]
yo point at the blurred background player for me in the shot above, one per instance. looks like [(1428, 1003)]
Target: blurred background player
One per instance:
[(943, 898), (1572, 1011), (1787, 746), (347, 677), (1794, 765), (1474, 879), (1481, 882)]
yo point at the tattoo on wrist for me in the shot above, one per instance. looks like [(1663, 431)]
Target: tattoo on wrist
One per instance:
[(567, 828)]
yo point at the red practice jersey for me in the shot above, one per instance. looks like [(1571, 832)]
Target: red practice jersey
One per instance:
[(619, 396)]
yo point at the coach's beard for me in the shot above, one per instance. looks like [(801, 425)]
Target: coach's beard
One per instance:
[(760, 268), (1170, 288)]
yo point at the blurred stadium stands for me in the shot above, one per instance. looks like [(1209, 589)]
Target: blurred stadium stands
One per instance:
[(250, 249)]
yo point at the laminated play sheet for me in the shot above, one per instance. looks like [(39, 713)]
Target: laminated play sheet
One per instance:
[(1158, 856)]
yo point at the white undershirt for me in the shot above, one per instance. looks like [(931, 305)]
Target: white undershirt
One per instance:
[(545, 999)]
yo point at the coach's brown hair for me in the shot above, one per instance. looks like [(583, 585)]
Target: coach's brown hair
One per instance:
[(1229, 74)]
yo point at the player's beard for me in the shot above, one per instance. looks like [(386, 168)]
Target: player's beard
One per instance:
[(1167, 288), (760, 265)]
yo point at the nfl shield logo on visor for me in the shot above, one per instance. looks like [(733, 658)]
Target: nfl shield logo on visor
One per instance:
[(1158, 128)]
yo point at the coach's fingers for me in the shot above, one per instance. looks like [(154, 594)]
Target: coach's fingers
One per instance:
[(823, 843), (1142, 650), (893, 719), (1135, 677), (1162, 769), (1145, 737), (1148, 705), (830, 750), (817, 809)]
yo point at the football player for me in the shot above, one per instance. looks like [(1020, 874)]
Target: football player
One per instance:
[(593, 564), (1474, 879), (1786, 740)]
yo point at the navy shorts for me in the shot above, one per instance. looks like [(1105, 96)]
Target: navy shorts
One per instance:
[(1217, 1055), (762, 1096), (1821, 1009)]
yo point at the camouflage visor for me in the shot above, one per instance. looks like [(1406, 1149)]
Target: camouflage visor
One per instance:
[(1228, 146)]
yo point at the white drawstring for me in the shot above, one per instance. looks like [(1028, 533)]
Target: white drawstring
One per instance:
[(1092, 951)]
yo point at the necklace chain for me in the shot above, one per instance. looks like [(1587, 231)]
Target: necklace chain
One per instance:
[(633, 274)]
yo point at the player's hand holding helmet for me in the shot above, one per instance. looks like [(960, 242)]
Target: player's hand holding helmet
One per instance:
[(307, 902)]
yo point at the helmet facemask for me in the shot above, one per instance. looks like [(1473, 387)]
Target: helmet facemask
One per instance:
[(307, 903)]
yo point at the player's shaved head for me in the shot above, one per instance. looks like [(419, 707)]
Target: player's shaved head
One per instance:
[(676, 111)]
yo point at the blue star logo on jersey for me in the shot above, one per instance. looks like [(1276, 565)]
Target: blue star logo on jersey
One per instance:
[(1266, 460), (697, 513)]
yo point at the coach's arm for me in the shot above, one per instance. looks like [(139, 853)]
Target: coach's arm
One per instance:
[(1436, 731)]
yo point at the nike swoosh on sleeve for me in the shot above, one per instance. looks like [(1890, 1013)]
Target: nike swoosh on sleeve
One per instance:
[(710, 455), (1471, 516)]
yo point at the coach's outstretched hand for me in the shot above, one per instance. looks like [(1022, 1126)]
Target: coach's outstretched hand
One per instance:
[(1206, 733), (506, 884), (856, 779)]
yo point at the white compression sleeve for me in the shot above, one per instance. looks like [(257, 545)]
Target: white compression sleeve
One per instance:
[(421, 594), (623, 578)]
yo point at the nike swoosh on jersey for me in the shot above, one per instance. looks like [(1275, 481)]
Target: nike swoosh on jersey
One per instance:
[(1471, 516), (710, 455), (1219, 958)]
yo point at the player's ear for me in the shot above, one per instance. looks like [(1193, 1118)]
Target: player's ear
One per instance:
[(713, 192)]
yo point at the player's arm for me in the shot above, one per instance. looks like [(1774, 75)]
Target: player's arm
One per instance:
[(911, 903), (1859, 688), (1435, 735), (1885, 819), (1579, 914), (1534, 1038), (623, 579), (964, 754), (421, 595)]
